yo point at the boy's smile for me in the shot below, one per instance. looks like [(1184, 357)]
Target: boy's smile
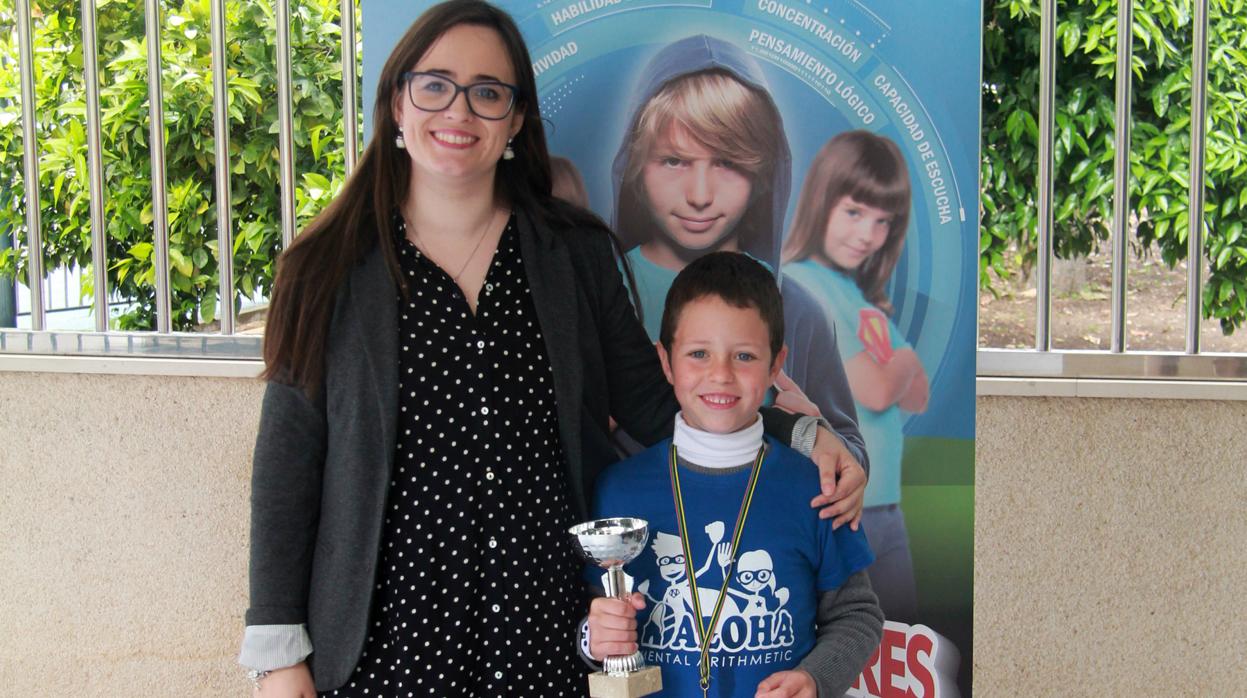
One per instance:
[(695, 196), (720, 364)]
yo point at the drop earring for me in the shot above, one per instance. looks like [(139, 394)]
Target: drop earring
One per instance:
[(508, 153), (398, 140)]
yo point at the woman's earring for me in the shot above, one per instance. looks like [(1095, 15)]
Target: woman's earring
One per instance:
[(398, 140), (508, 153)]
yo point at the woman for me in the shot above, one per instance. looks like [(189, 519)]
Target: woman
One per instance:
[(445, 345)]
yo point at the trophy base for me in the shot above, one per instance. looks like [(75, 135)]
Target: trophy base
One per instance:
[(638, 683)]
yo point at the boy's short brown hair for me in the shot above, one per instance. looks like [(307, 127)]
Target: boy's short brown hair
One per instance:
[(738, 280)]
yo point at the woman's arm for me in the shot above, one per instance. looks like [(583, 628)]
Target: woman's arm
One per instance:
[(879, 386), (285, 504), (641, 400), (814, 365)]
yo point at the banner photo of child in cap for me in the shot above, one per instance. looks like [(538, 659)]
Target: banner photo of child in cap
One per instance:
[(836, 142)]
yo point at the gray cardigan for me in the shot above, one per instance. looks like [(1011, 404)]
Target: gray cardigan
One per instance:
[(322, 466)]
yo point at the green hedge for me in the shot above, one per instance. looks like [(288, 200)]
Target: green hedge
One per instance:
[(1160, 142), (190, 143)]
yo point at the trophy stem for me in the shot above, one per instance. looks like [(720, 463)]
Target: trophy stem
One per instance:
[(615, 587)]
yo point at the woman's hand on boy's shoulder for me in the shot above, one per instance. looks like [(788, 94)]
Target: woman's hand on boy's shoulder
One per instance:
[(787, 684), (790, 398), (842, 479)]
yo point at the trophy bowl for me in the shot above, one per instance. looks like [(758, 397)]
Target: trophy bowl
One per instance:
[(610, 543)]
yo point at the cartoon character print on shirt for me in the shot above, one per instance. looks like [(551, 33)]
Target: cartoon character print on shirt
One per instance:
[(672, 618), (753, 615)]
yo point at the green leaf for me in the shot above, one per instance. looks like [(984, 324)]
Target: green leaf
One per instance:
[(181, 263), (207, 308), (1233, 233), (1092, 41), (1070, 37), (1081, 170)]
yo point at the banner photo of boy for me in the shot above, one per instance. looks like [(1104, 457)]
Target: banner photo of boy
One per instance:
[(836, 142)]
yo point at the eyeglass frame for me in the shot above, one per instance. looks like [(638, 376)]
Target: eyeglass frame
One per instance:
[(404, 81)]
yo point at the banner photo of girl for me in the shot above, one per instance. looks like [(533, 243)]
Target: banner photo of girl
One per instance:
[(837, 144)]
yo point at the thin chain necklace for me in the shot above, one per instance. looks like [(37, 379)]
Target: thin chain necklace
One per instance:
[(479, 239)]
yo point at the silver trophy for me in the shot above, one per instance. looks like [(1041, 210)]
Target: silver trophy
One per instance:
[(611, 544)]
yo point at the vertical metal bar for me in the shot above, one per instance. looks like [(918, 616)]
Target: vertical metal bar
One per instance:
[(349, 115), (1043, 255), (95, 166), (1195, 227), (220, 125), (30, 163), (160, 206), (1121, 172), (285, 123)]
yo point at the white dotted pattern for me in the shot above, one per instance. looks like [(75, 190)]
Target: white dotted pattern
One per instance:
[(552, 101), (478, 586)]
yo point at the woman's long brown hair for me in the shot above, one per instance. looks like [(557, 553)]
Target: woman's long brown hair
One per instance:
[(313, 268)]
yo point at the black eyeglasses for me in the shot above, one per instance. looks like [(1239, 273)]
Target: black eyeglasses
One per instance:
[(490, 99)]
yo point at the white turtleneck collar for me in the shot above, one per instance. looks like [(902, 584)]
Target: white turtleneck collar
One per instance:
[(711, 450)]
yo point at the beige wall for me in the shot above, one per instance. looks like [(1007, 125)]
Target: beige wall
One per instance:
[(1111, 540)]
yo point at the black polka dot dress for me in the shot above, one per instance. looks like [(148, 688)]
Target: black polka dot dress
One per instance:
[(478, 590)]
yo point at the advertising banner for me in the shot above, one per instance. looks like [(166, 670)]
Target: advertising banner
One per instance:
[(836, 141)]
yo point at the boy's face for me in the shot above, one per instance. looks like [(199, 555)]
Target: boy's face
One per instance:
[(695, 196), (854, 232), (720, 364)]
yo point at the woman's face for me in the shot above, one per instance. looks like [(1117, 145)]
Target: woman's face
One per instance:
[(695, 196), (454, 143), (854, 232)]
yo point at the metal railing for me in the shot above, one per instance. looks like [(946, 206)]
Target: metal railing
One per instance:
[(1045, 362), (1042, 361), (163, 342)]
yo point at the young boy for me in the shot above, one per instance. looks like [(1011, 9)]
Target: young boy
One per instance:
[(735, 550)]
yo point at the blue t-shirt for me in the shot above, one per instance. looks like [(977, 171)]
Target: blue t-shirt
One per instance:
[(788, 557), (858, 321)]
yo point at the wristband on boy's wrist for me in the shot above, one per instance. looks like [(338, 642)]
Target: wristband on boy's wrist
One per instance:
[(582, 645)]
